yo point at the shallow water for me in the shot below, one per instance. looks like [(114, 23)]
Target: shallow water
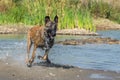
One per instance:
[(89, 56), (100, 76), (115, 34)]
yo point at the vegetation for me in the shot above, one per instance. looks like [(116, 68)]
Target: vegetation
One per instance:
[(104, 9), (72, 13)]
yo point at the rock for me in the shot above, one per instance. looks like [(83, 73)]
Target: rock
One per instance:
[(98, 40), (51, 74)]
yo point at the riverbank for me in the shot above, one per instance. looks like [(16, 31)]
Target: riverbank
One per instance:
[(14, 70), (105, 24), (14, 29), (22, 29), (100, 23)]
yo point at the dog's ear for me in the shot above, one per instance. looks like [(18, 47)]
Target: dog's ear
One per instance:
[(56, 19), (47, 19)]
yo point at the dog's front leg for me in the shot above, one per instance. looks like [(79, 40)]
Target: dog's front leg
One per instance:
[(45, 57)]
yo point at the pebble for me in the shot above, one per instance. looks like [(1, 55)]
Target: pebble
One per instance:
[(78, 75), (51, 74), (80, 70)]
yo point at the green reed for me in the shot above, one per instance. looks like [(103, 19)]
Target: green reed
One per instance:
[(72, 14)]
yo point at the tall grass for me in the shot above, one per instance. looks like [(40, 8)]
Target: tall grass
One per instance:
[(100, 8), (72, 13)]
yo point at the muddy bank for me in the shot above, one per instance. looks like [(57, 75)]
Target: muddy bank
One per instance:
[(13, 70), (105, 24), (97, 40)]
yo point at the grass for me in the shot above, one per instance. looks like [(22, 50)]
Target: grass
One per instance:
[(72, 13)]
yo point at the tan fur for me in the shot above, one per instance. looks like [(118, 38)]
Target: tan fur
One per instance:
[(35, 36)]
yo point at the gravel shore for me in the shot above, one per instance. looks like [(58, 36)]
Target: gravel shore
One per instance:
[(14, 70)]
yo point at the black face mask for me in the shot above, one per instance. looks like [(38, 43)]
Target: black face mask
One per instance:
[(51, 33)]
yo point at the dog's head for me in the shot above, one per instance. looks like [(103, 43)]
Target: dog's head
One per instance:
[(51, 26)]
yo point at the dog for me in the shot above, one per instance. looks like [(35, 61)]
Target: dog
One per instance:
[(42, 37)]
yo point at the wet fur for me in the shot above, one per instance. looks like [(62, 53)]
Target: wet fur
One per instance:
[(36, 36)]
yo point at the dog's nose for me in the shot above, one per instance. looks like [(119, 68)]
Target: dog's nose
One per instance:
[(54, 35)]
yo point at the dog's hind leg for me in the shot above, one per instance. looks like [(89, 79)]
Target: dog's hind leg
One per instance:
[(29, 44), (33, 56)]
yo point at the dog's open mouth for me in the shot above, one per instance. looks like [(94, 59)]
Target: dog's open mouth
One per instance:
[(50, 36)]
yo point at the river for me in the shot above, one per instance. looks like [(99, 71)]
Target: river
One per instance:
[(88, 56)]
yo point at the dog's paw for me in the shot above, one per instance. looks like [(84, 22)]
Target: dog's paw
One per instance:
[(40, 57), (48, 61), (29, 65)]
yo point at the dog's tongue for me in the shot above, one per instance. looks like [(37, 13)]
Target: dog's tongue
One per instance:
[(51, 37)]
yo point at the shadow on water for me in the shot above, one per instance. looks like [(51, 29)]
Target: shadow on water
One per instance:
[(45, 64)]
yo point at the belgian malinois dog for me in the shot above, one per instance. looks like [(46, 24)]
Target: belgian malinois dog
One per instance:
[(41, 37)]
